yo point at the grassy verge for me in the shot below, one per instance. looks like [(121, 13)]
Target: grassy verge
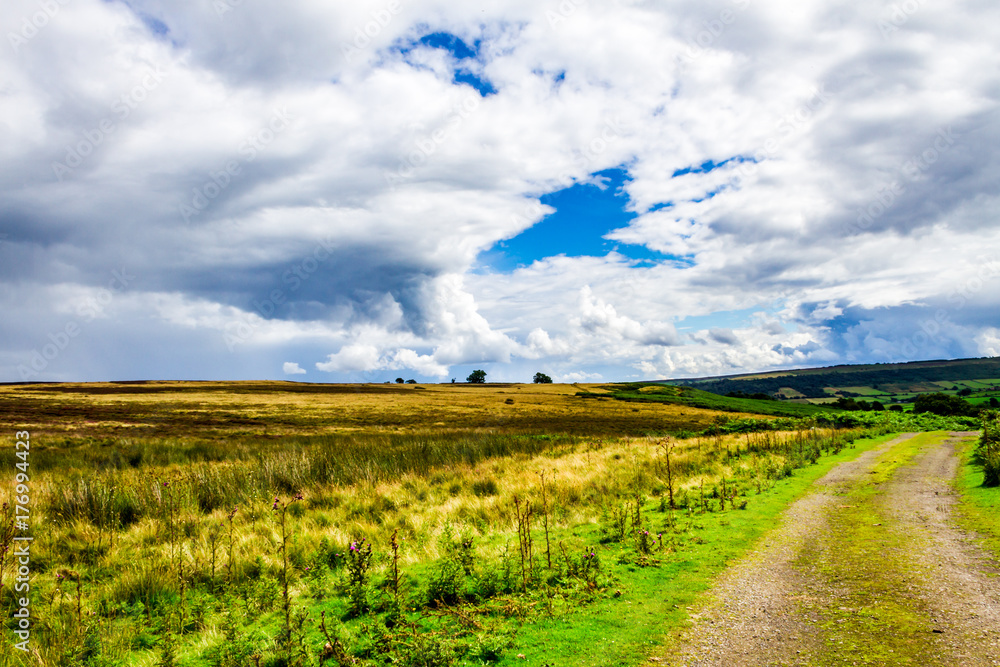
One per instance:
[(653, 601), (979, 506)]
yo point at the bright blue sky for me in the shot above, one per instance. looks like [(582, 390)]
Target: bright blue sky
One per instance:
[(337, 191), (585, 214)]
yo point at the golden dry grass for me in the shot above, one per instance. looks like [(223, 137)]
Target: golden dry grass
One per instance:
[(190, 408)]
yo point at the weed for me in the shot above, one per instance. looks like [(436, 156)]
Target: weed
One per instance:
[(359, 558), (987, 452), (282, 513)]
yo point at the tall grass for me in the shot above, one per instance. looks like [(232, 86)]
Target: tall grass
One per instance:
[(143, 549), (252, 471)]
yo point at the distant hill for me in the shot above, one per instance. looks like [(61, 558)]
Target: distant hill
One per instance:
[(976, 379)]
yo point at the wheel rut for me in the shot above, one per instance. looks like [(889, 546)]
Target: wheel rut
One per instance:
[(867, 569)]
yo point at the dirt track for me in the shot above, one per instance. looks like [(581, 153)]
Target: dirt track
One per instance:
[(858, 573)]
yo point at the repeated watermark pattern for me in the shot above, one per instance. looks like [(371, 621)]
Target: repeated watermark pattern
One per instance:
[(363, 35), (585, 156), (121, 109), (563, 11), (219, 180), (424, 147), (910, 171), (898, 16), (785, 127), (711, 31), (223, 7), (32, 25), (240, 331), (931, 329), (87, 310)]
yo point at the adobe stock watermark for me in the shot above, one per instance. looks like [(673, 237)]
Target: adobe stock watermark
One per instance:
[(888, 195), (563, 11), (567, 8), (364, 34), (121, 109), (586, 155), (426, 146), (786, 126), (22, 543), (987, 269), (87, 310), (220, 180), (240, 331), (31, 25), (711, 31), (223, 7), (898, 16)]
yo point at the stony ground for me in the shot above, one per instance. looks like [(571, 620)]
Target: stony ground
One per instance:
[(868, 569)]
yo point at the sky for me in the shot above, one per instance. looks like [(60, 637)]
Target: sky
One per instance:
[(600, 191)]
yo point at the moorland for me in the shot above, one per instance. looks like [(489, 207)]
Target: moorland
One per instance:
[(272, 523)]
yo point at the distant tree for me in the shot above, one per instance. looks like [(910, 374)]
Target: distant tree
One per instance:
[(542, 378), (965, 392), (476, 377), (994, 403), (895, 408), (757, 396), (399, 380), (877, 406), (846, 404), (411, 381), (942, 404)]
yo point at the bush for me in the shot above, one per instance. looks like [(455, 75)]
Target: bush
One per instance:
[(987, 454), (446, 583), (942, 404)]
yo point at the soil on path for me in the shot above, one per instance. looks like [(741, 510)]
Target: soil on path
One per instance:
[(822, 589)]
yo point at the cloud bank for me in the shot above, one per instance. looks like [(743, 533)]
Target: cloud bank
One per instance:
[(206, 189)]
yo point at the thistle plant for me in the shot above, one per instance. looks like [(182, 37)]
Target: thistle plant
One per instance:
[(229, 563), (359, 558), (282, 513)]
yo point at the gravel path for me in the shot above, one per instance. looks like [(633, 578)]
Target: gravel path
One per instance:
[(772, 607), (753, 615), (952, 574)]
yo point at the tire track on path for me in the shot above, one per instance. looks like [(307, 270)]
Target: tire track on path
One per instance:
[(951, 571), (754, 615), (869, 569)]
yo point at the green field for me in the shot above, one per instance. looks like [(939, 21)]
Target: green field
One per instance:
[(887, 383), (214, 524)]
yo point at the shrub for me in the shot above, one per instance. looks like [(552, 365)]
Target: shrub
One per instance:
[(446, 583), (485, 487), (359, 558), (987, 454)]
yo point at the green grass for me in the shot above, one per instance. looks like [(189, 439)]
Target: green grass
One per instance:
[(627, 630), (979, 506), (131, 498), (696, 398)]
